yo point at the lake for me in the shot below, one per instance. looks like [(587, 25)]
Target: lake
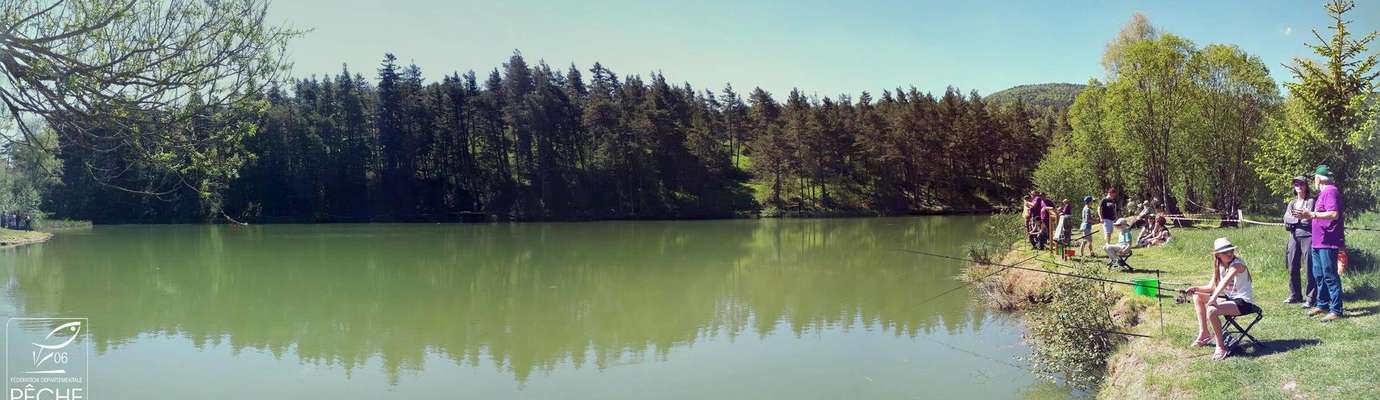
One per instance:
[(732, 309)]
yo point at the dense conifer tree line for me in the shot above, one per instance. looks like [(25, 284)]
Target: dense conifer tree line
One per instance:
[(533, 142)]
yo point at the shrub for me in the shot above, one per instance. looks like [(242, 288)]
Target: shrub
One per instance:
[(1069, 334), (1004, 230)]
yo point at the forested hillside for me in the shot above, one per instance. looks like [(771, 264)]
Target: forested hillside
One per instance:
[(534, 142), (1056, 95)]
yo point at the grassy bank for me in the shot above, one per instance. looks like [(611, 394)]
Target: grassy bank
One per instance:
[(1305, 358), (54, 225), (10, 237)]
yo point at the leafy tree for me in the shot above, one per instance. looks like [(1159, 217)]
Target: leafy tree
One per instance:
[(73, 64), (1235, 98), (1339, 93), (1173, 121)]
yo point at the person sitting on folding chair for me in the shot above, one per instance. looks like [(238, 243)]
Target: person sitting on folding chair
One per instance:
[(1117, 253), (1229, 294)]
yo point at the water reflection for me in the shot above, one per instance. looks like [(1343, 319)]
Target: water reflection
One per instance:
[(522, 297)]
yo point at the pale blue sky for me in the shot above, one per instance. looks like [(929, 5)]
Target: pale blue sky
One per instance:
[(822, 47)]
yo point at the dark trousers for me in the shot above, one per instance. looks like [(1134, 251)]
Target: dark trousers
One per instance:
[(1298, 257)]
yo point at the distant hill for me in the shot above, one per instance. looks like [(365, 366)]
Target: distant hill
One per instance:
[(1058, 95)]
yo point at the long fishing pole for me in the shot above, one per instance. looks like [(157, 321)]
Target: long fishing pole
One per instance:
[(1156, 271), (1092, 278), (969, 283), (1006, 267), (1105, 331)]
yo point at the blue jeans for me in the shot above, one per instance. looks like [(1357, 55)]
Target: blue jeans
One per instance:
[(1329, 283)]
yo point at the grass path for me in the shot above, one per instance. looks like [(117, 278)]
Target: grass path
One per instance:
[(1305, 359)]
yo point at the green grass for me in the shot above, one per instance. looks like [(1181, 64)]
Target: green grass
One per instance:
[(50, 225), (1307, 359), (11, 236)]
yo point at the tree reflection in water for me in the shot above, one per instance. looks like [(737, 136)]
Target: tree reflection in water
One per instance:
[(525, 296)]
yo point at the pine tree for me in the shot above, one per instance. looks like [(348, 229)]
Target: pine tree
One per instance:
[(392, 155), (1340, 93)]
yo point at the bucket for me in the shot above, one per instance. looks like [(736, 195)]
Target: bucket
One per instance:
[(1148, 287), (1070, 252)]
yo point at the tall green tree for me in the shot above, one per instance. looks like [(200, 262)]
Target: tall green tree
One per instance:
[(73, 65), (1339, 92)]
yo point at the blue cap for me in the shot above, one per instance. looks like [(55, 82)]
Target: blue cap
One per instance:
[(1087, 199)]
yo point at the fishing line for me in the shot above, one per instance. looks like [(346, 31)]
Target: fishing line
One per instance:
[(1091, 278), (1155, 271), (1006, 267), (979, 355), (970, 283), (1105, 331)]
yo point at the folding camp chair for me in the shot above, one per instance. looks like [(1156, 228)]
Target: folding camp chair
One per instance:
[(1233, 333), (1116, 257)]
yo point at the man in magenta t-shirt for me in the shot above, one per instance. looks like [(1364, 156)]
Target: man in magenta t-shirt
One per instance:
[(1329, 237)]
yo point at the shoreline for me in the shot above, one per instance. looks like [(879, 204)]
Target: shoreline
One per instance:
[(813, 214), (1162, 365), (10, 238)]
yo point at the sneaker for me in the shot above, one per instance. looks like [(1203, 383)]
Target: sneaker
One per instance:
[(1331, 317), (1292, 301), (1316, 311), (1306, 305)]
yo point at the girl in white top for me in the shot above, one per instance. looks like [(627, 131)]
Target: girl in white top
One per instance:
[(1229, 293)]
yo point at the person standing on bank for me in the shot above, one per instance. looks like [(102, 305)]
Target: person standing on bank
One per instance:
[(1106, 210), (1329, 237), (1086, 227), (1298, 252)]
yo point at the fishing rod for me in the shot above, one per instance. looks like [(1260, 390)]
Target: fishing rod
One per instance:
[(1154, 271), (970, 283), (1159, 300), (1006, 267), (1013, 266), (1105, 331)]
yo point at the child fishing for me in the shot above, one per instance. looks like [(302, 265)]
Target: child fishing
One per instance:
[(1228, 294)]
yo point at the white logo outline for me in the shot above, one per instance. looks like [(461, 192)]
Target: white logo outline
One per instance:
[(38, 355), (85, 351)]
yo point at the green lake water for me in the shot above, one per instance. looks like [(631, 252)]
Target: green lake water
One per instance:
[(735, 309)]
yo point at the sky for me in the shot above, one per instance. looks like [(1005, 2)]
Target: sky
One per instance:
[(822, 47)]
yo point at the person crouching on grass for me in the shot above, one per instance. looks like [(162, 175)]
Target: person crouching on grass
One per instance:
[(1231, 279)]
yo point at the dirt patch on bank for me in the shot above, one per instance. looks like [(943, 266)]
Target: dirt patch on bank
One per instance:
[(1008, 289)]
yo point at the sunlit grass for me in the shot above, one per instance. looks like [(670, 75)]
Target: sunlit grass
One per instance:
[(11, 236), (1306, 359)]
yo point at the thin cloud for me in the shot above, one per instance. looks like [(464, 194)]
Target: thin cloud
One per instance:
[(1288, 30)]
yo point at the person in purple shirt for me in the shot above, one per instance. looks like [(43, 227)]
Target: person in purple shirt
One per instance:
[(1329, 237)]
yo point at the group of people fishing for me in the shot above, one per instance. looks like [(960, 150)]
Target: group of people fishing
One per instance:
[(1042, 217), (1315, 244)]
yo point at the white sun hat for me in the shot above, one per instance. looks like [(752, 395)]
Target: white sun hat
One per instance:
[(1222, 245)]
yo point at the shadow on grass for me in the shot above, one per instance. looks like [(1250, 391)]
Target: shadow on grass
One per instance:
[(1361, 311), (1360, 260), (1363, 292), (1273, 347)]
